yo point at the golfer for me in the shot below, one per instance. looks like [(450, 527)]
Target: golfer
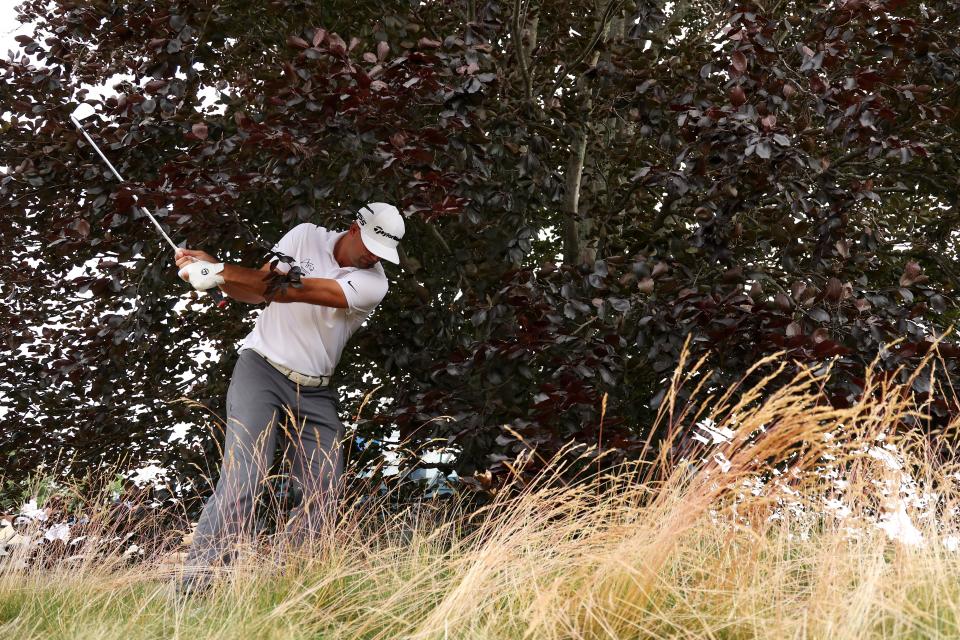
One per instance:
[(284, 368)]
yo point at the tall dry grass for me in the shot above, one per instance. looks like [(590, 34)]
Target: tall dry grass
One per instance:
[(791, 520)]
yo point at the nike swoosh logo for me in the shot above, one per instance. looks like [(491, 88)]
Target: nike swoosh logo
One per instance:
[(351, 286)]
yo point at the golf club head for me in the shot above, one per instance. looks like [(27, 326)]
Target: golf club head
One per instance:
[(84, 110)]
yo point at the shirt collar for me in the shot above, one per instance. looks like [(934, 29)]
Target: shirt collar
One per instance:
[(332, 239)]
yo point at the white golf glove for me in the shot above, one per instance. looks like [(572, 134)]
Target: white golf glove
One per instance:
[(202, 275)]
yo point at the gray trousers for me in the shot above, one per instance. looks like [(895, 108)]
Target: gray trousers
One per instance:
[(260, 403)]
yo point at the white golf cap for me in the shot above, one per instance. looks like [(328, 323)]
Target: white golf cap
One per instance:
[(381, 227)]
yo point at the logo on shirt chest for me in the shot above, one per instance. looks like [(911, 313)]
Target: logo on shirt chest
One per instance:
[(307, 266)]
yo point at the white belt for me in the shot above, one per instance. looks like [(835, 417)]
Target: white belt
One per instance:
[(301, 379)]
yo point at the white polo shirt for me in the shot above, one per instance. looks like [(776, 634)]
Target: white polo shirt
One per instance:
[(309, 338)]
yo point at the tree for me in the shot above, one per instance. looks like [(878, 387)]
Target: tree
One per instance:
[(587, 185)]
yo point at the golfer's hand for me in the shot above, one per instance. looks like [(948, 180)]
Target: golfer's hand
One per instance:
[(186, 256), (202, 275)]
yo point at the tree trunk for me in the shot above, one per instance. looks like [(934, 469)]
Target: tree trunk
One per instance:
[(579, 243), (577, 230)]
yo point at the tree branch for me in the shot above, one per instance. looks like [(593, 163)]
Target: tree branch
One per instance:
[(611, 5), (518, 45), (436, 234)]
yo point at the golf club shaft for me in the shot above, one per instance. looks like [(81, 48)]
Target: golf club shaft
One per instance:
[(120, 179), (213, 293)]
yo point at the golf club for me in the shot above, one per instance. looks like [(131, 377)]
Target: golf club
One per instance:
[(84, 111)]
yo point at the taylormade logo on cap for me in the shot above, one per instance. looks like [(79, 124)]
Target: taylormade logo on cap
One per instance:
[(381, 228)]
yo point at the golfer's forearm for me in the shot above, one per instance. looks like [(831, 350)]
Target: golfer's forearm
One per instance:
[(250, 282), (241, 293)]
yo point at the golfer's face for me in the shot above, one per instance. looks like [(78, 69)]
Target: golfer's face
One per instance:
[(364, 259)]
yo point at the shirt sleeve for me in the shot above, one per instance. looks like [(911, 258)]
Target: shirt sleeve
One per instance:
[(287, 245), (364, 289)]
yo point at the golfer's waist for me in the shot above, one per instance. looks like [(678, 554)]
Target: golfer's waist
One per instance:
[(302, 379)]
